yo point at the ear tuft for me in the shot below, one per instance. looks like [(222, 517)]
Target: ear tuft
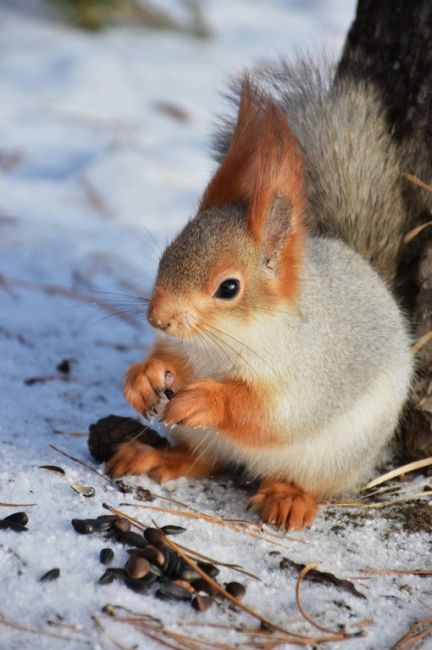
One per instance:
[(264, 166)]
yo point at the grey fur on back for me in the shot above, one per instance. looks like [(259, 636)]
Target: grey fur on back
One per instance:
[(354, 184)]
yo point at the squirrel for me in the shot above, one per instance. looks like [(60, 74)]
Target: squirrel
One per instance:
[(280, 337)]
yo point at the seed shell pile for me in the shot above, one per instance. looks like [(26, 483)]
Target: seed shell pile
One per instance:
[(151, 561)]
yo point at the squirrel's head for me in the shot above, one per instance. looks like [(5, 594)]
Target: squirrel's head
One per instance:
[(241, 254)]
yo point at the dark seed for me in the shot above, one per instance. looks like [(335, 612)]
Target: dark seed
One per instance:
[(202, 585), (107, 578), (83, 526), (189, 574), (53, 468), (121, 524), (131, 538), (201, 602), (110, 574), (64, 366), (100, 526), (153, 536), (53, 574), (106, 555), (154, 555), (172, 591), (17, 518), (185, 584), (139, 586), (174, 565), (110, 518), (210, 569), (173, 530), (11, 525), (236, 589), (137, 567)]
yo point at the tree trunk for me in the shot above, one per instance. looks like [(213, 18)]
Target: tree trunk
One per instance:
[(390, 43)]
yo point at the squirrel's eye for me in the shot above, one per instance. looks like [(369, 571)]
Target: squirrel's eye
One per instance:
[(228, 289)]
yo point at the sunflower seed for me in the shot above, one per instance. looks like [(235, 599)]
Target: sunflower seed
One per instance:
[(137, 567), (173, 530), (106, 555), (53, 574), (53, 468), (83, 526), (131, 538), (210, 569), (86, 491), (19, 518), (173, 591)]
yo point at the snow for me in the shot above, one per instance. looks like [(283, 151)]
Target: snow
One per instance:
[(94, 180)]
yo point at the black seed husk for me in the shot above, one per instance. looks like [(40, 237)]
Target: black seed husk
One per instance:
[(53, 468), (210, 569), (83, 526), (106, 555), (139, 586), (131, 538), (171, 591), (187, 573), (173, 530), (11, 525), (107, 578), (20, 518), (53, 574)]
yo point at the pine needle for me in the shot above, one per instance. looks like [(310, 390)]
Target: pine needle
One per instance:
[(306, 616), (422, 341), (404, 469), (414, 634)]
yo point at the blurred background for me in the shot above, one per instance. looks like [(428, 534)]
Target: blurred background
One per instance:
[(106, 108)]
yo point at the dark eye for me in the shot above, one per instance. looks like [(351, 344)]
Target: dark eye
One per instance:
[(228, 289)]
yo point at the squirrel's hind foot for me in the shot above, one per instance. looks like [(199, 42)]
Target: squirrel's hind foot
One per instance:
[(161, 465), (284, 504)]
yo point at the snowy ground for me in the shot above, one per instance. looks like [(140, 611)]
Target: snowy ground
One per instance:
[(94, 178)]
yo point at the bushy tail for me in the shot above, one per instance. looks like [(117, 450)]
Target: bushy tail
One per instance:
[(355, 185)]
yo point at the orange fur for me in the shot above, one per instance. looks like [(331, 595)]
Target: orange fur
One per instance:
[(284, 504), (264, 160), (145, 381), (162, 465), (231, 407)]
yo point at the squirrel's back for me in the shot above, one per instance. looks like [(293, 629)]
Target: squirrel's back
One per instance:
[(354, 169)]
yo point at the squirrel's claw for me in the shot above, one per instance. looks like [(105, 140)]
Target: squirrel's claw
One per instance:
[(284, 504), (201, 404)]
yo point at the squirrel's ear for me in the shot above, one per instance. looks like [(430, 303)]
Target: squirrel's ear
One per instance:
[(277, 200)]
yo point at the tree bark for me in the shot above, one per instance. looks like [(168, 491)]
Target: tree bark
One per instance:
[(390, 44)]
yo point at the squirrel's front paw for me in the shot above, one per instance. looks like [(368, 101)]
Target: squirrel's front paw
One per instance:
[(134, 457), (145, 385), (201, 404)]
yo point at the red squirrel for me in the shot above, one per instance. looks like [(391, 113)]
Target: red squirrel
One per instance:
[(277, 328)]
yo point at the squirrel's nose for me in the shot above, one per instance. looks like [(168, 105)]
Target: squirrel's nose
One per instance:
[(155, 319)]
